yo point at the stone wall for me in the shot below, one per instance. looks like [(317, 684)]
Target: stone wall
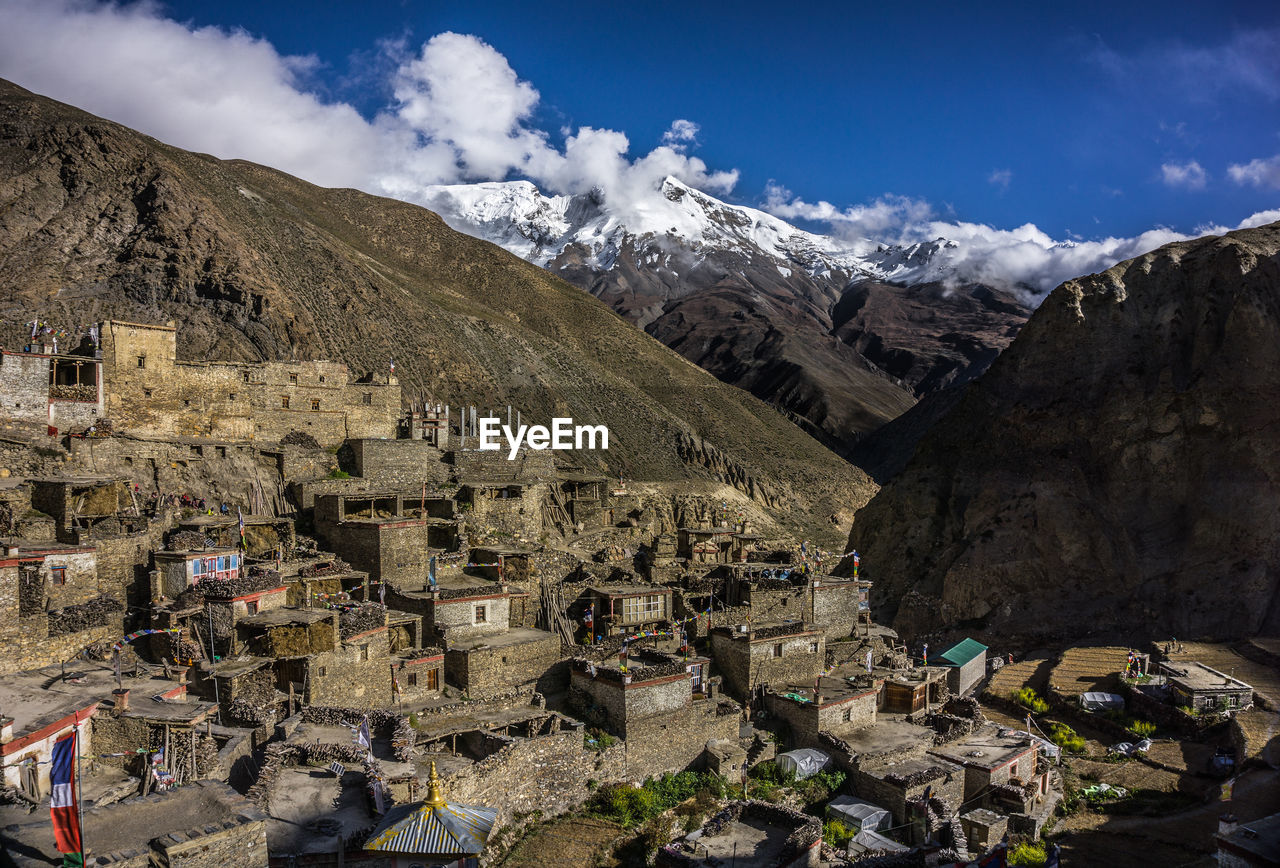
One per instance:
[(493, 670), (835, 606), (751, 660), (839, 717), (493, 466), (148, 391), (457, 618), (881, 786), (676, 741), (399, 464), (24, 387), (497, 519), (26, 640), (356, 674), (392, 551)]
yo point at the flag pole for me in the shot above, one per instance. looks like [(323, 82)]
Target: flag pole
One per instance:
[(79, 793)]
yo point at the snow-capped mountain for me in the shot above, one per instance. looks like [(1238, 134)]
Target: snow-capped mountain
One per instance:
[(537, 227), (842, 336)]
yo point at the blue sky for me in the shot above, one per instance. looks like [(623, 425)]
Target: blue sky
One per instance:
[(1090, 121), (1081, 104)]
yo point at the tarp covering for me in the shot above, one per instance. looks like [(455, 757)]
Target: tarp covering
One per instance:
[(868, 841), (1101, 701), (805, 762), (857, 815)]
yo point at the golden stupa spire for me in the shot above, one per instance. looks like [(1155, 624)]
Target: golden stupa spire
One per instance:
[(435, 798)]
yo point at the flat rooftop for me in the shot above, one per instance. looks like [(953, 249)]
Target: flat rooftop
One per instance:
[(1197, 676), (746, 843), (906, 767), (627, 590), (40, 697), (131, 824), (281, 617), (517, 636), (988, 747), (1260, 838), (889, 736), (833, 689), (311, 807)]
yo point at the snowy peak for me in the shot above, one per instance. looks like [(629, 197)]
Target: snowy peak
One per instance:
[(539, 227)]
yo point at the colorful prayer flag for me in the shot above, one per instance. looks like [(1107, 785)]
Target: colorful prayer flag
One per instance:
[(63, 801)]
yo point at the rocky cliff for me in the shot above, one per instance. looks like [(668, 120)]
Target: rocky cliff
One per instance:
[(99, 221), (1116, 469)]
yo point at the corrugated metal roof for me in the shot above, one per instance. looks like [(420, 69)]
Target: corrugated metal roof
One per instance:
[(450, 830), (963, 651)]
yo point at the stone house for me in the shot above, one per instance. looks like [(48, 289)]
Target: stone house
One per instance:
[(373, 533), (906, 691), (898, 783), (60, 391), (652, 706), (715, 545), (992, 760), (1201, 688), (840, 605), (511, 508), (968, 661), (621, 609), (148, 391), (179, 570), (26, 741), (521, 659), (206, 825), (840, 710), (750, 657), (419, 675)]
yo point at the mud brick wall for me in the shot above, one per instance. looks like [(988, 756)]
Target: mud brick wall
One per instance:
[(357, 674), (399, 464), (492, 671), (747, 662)]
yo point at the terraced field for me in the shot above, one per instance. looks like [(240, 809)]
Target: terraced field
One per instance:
[(1089, 668), (1264, 679), (1032, 672)]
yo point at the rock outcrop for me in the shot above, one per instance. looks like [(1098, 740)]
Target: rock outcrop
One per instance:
[(1117, 468)]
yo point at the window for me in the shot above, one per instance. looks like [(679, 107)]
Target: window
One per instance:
[(59, 575), (253, 606), (368, 397), (186, 402), (246, 376), (411, 680), (364, 652), (231, 397), (322, 378), (321, 671), (142, 361), (293, 378), (146, 393), (813, 647), (481, 615), (433, 679), (777, 649), (315, 403), (847, 715), (284, 402), (636, 610)]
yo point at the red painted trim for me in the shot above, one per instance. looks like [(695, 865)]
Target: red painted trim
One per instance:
[(257, 595), (9, 562), (421, 660), (52, 729), (686, 676), (848, 699), (31, 554), (180, 690), (365, 633)]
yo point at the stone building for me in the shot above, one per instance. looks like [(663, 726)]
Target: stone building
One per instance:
[(898, 783), (521, 659), (206, 825), (621, 609), (715, 545), (1202, 688), (512, 508), (52, 604), (968, 662), (839, 606), (419, 675), (906, 691), (179, 570), (991, 760), (28, 730), (384, 534), (652, 706), (750, 657), (402, 465), (840, 709), (148, 391), (53, 390)]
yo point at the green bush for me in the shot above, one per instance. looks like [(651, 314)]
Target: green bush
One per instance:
[(1028, 855), (631, 806), (1026, 697), (1066, 738), (1141, 728), (335, 473), (598, 740), (836, 833)]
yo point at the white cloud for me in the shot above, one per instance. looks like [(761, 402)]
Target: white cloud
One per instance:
[(461, 113), (1000, 178), (1247, 64), (1189, 175), (1257, 173), (682, 134)]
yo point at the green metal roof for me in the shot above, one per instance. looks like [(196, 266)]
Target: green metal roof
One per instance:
[(963, 651)]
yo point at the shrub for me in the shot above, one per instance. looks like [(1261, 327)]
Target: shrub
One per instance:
[(1141, 728), (1028, 855), (631, 806), (836, 833), (1066, 738), (1026, 697), (335, 473), (597, 739)]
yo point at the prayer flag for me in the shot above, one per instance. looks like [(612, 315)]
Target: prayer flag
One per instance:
[(240, 515), (63, 807)]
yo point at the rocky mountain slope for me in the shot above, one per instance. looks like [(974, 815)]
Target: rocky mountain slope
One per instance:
[(99, 221), (1117, 468), (843, 337)]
